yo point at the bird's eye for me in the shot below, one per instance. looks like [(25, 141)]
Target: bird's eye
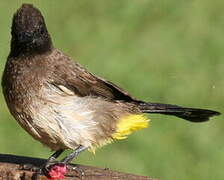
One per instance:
[(42, 31)]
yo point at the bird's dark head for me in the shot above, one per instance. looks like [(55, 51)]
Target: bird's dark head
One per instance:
[(29, 32)]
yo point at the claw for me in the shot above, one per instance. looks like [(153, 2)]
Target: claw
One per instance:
[(79, 170), (29, 167)]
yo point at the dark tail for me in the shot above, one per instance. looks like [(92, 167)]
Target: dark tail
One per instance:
[(190, 114)]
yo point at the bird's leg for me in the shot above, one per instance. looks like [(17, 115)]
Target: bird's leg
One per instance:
[(58, 170), (54, 156), (50, 161), (73, 155), (43, 168)]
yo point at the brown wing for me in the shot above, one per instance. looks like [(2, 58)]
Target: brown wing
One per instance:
[(77, 79)]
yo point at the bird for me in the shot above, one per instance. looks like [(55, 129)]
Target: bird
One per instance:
[(64, 106)]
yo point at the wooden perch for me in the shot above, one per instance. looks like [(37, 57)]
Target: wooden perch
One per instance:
[(12, 168)]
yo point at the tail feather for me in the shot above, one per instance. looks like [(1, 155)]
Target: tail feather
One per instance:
[(190, 114)]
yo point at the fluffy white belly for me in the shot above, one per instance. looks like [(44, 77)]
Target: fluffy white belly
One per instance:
[(60, 119), (68, 122)]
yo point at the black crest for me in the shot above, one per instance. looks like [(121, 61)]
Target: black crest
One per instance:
[(29, 32)]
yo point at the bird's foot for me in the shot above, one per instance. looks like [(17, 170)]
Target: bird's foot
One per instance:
[(79, 171), (29, 167), (59, 169), (50, 170), (54, 170)]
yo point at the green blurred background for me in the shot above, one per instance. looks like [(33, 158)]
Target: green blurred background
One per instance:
[(160, 51)]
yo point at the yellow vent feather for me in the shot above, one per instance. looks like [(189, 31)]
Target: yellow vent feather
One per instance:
[(125, 126), (128, 124)]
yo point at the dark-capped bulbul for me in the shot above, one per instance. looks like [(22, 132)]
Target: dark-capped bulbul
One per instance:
[(64, 106)]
